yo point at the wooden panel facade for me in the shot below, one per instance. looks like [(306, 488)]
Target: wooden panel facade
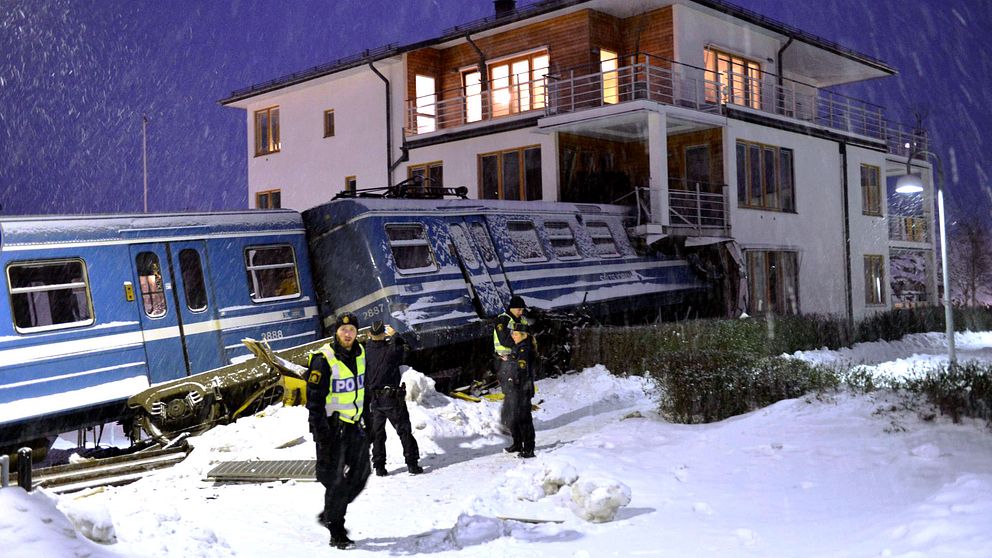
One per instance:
[(679, 143)]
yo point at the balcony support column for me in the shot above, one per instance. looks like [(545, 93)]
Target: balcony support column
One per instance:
[(657, 143)]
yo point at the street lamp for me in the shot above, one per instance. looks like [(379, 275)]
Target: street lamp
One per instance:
[(912, 184)]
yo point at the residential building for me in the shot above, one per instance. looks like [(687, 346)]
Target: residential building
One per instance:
[(718, 123)]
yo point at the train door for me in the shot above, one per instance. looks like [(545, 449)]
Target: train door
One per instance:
[(196, 306), (177, 318), (477, 256)]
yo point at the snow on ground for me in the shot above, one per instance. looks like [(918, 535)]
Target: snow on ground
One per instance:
[(841, 475)]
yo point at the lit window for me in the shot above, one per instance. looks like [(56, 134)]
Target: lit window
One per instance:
[(267, 131), (739, 77), (151, 284), (49, 295), (515, 85), (608, 66), (473, 96), (426, 104)]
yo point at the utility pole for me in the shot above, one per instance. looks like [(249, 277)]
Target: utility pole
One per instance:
[(144, 154)]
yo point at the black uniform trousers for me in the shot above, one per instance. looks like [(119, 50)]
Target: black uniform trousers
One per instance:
[(515, 414), (343, 469), (391, 405)]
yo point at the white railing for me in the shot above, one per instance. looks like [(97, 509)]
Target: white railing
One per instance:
[(697, 205), (459, 107)]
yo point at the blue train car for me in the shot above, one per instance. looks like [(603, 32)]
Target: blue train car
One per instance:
[(98, 308), (440, 269)]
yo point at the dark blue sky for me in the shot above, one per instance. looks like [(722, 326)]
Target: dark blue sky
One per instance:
[(76, 77)]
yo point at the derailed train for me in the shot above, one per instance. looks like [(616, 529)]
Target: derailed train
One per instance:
[(99, 308)]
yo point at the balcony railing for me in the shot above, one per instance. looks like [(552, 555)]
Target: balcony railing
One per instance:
[(658, 79), (697, 205), (908, 228)]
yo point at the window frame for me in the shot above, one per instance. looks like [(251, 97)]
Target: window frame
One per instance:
[(753, 183), (251, 276), (150, 295), (269, 203), (424, 240), (871, 194), (609, 65), (427, 170), (777, 273), (747, 94), (425, 104), (272, 143), (533, 89), (524, 186), (186, 282), (351, 183), (12, 291), (552, 237), (329, 123), (875, 285)]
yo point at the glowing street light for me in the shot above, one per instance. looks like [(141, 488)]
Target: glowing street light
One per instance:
[(913, 184)]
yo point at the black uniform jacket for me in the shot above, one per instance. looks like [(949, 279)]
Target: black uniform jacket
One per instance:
[(382, 362), (318, 384)]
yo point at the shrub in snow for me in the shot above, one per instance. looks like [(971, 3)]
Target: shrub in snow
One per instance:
[(597, 499)]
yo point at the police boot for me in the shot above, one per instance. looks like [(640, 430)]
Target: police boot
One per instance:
[(380, 471), (414, 469), (513, 448), (339, 536)]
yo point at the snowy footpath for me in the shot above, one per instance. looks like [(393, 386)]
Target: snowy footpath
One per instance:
[(840, 475)]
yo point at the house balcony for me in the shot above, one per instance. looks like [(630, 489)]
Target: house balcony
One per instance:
[(657, 79), (908, 228)]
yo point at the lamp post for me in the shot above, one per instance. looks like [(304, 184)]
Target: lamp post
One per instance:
[(912, 184)]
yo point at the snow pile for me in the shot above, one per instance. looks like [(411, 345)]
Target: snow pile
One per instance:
[(597, 499), (31, 525), (92, 521)]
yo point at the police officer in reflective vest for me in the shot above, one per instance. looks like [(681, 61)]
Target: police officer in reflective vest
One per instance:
[(502, 342), (385, 398), (335, 400)]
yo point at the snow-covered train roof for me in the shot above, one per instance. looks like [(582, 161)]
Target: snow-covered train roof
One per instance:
[(47, 229), (340, 211)]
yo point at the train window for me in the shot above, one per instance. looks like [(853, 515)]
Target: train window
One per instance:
[(49, 295), (411, 251), (562, 240), (271, 273), (193, 285), (464, 246), (151, 284), (602, 239), (524, 237), (485, 245)]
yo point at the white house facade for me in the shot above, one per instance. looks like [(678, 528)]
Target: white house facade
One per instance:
[(716, 122)]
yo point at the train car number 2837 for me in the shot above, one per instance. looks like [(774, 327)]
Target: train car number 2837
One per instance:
[(372, 312)]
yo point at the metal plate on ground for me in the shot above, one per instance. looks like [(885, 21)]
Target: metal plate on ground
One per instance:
[(262, 471)]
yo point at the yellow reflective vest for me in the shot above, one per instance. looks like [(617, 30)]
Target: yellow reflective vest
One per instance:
[(346, 388), (503, 350)]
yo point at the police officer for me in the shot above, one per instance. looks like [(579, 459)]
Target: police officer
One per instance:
[(502, 343), (335, 400), (519, 373), (386, 398)]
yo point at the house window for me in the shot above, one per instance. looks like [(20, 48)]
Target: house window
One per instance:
[(271, 272), (269, 199), (602, 239), (525, 240), (515, 85), (773, 282), (410, 249), (871, 190), (350, 183), (608, 64), (267, 131), (562, 240), (765, 177), (49, 295), (329, 123), (739, 77), (874, 280), (431, 174), (426, 104), (151, 284), (511, 175)]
